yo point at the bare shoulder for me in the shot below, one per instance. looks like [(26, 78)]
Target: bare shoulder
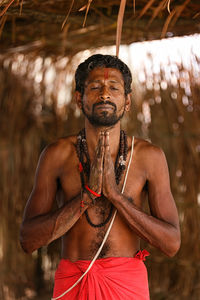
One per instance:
[(63, 146), (59, 151), (147, 149), (150, 156)]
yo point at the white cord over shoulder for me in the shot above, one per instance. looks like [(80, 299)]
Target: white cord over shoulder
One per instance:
[(107, 232)]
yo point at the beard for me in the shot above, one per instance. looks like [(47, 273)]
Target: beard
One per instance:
[(104, 118)]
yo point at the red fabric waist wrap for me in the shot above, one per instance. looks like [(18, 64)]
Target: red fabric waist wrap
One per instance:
[(113, 278)]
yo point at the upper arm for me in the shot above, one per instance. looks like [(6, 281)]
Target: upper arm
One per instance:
[(161, 201), (42, 196)]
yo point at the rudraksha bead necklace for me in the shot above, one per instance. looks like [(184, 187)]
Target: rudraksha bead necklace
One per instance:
[(120, 165)]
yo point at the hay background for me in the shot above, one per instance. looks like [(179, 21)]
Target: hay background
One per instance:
[(30, 118)]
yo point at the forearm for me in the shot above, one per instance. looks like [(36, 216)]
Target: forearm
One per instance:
[(157, 232), (43, 229)]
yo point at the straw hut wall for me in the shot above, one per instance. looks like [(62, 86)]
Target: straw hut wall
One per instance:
[(32, 116), (37, 63)]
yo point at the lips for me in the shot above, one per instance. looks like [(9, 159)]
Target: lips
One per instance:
[(104, 106)]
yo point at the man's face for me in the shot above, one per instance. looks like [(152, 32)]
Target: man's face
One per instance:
[(104, 100)]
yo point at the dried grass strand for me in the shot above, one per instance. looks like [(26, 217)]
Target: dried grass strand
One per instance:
[(21, 5), (83, 8), (167, 22), (134, 7), (156, 11), (67, 16), (179, 10), (196, 15), (168, 6), (144, 10), (2, 23), (119, 25), (6, 8), (87, 10)]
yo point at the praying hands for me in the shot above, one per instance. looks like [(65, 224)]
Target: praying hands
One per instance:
[(102, 174)]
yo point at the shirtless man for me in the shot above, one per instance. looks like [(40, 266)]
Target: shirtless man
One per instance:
[(87, 175)]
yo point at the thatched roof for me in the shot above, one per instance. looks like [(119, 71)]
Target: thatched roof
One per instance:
[(36, 24), (33, 113)]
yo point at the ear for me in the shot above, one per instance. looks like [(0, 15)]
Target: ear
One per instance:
[(78, 99), (128, 102)]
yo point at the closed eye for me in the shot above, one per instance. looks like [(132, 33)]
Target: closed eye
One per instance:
[(94, 87), (114, 88)]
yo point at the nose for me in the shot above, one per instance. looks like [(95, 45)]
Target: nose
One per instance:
[(104, 94)]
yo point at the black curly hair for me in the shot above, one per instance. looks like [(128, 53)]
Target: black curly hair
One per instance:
[(106, 61)]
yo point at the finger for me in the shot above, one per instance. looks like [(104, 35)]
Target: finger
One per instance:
[(100, 146), (107, 141), (100, 153), (107, 155), (102, 139)]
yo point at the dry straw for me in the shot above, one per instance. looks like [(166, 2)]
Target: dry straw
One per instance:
[(46, 19), (30, 118)]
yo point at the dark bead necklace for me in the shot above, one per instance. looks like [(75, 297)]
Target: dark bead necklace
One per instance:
[(102, 223), (120, 165)]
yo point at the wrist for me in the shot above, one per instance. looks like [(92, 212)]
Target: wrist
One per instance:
[(92, 192), (114, 195), (87, 198)]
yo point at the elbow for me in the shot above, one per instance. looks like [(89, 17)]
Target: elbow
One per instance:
[(173, 250), (26, 248), (174, 245), (24, 242)]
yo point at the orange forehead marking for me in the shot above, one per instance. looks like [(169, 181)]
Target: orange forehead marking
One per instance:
[(105, 73)]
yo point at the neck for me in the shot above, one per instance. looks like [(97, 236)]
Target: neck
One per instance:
[(92, 136)]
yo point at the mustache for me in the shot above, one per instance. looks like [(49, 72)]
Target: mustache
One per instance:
[(104, 102)]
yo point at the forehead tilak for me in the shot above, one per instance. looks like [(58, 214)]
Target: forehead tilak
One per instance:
[(105, 73)]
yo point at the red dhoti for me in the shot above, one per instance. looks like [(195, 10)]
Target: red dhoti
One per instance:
[(113, 278)]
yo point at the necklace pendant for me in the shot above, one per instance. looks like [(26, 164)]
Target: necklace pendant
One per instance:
[(122, 162)]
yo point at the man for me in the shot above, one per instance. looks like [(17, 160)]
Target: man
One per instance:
[(88, 173)]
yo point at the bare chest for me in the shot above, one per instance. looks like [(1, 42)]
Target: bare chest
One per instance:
[(70, 182)]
